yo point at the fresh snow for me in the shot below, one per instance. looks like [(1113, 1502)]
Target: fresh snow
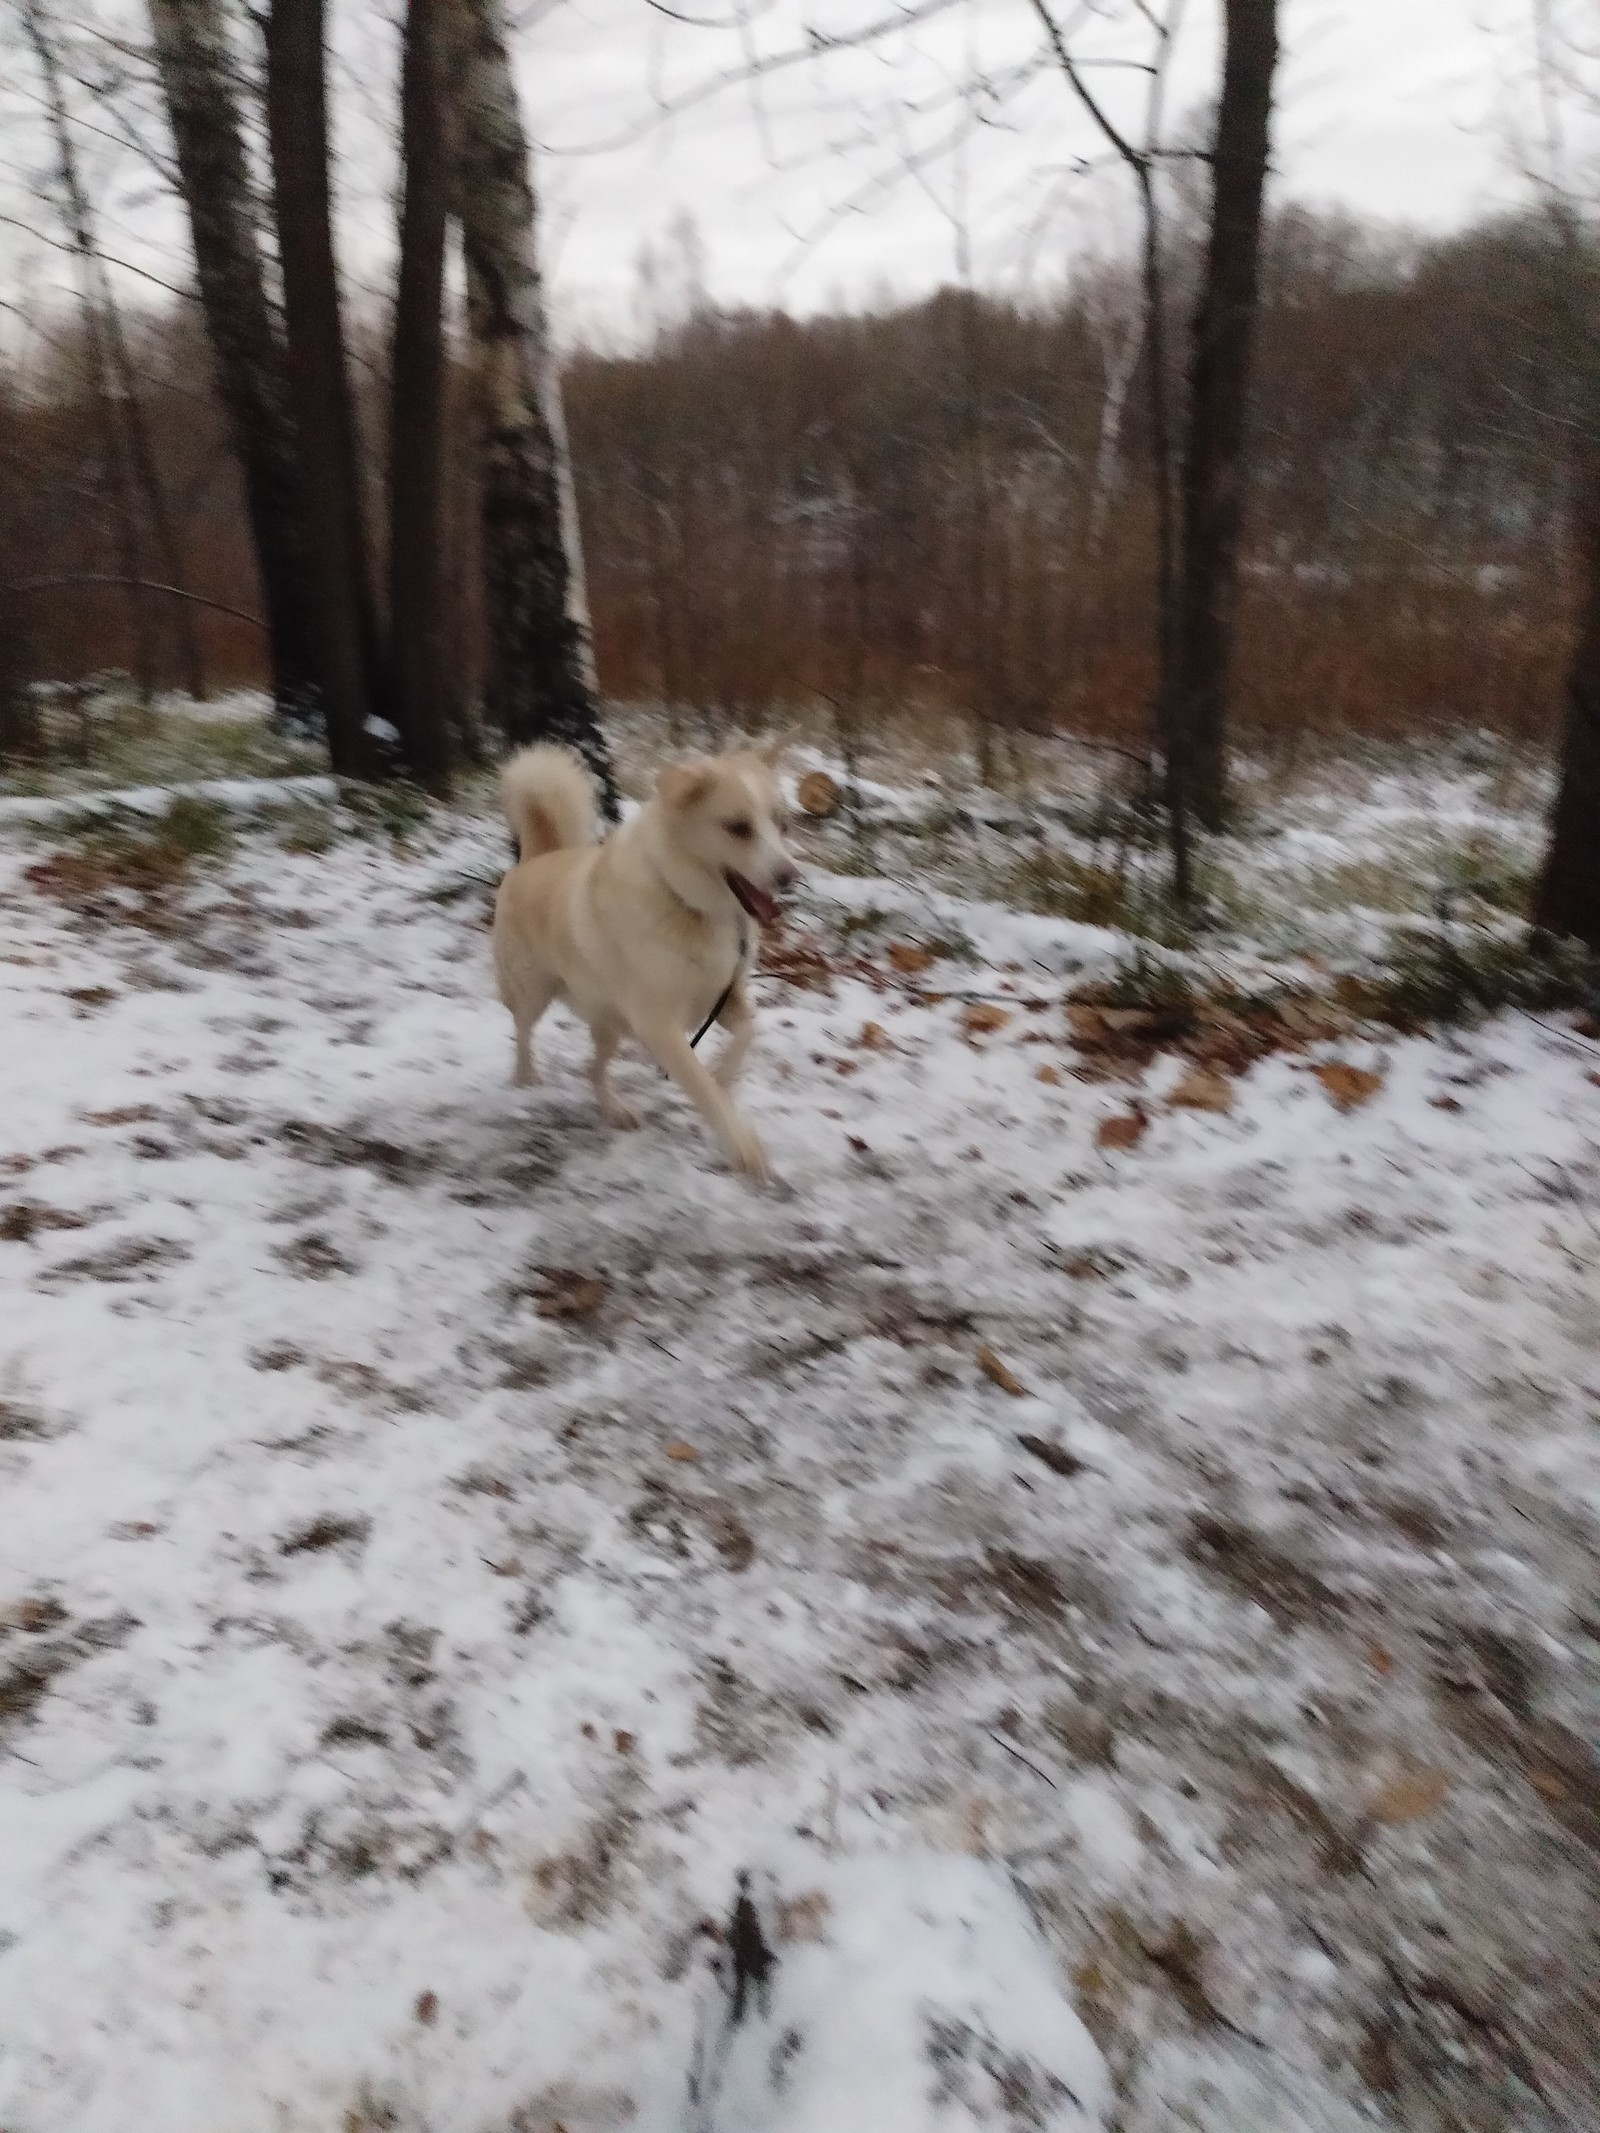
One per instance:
[(235, 794), (445, 1544)]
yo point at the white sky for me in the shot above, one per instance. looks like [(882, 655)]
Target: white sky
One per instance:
[(1402, 110), (1396, 109)]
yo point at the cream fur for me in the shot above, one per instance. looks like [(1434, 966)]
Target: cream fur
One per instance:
[(640, 934)]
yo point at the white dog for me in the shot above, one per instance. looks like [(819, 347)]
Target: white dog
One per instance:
[(653, 933)]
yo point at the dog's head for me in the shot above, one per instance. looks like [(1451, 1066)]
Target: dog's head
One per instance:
[(727, 814)]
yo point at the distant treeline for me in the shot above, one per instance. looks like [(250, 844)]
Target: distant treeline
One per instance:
[(950, 504)]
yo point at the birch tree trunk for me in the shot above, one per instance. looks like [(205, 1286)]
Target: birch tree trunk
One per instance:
[(418, 589), (541, 679), (1219, 383), (196, 67), (342, 610)]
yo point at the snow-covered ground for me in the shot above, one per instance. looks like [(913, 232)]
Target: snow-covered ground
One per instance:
[(1144, 1593)]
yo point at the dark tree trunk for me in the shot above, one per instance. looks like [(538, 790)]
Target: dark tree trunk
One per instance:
[(116, 468), (1219, 383), (196, 67), (1566, 899), (540, 684), (342, 609), (418, 589)]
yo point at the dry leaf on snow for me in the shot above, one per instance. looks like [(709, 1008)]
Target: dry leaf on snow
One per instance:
[(570, 1295), (818, 794), (999, 1374), (1347, 1085), (686, 1453), (874, 1037), (1124, 1129), (908, 958), (1088, 1026), (979, 1017), (1409, 1797), (1050, 1074), (1202, 1089)]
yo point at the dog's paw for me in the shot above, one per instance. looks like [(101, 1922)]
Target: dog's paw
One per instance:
[(749, 1157)]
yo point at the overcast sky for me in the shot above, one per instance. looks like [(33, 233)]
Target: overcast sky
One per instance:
[(852, 175), (1395, 109)]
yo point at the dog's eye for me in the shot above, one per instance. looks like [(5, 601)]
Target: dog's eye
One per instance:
[(737, 829)]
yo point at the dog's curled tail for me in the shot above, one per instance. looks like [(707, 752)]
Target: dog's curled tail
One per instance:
[(549, 800)]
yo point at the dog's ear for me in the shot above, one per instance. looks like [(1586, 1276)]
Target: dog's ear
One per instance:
[(681, 784)]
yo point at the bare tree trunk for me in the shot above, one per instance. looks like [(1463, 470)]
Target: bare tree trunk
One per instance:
[(417, 582), (1219, 383), (342, 608), (169, 545), (541, 679), (196, 67), (79, 220), (1566, 899), (119, 387)]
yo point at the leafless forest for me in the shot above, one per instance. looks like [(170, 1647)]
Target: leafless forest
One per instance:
[(948, 505)]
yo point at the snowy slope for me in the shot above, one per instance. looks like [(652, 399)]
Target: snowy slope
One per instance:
[(444, 1543)]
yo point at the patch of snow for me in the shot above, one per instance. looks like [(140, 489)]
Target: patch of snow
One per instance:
[(240, 794), (399, 1665)]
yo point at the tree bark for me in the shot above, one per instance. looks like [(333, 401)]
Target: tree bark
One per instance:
[(541, 678), (1219, 382), (1566, 898), (116, 468), (196, 67), (418, 590), (344, 620)]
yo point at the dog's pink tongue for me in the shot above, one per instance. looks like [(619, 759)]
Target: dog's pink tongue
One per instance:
[(757, 902)]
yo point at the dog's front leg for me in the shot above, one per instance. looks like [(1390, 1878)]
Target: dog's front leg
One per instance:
[(740, 1023), (673, 1053)]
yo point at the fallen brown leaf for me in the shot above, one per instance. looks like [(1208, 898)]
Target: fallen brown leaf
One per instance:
[(909, 959), (998, 1374), (818, 795), (1127, 1021), (1125, 1129), (625, 1742), (1347, 1085), (1049, 1074), (685, 1453), (570, 1295), (1409, 1797), (1088, 1026), (427, 2008), (1203, 1089), (1445, 1103), (1548, 1785), (1380, 1659), (980, 1017), (1055, 1456), (125, 1115), (874, 1038)]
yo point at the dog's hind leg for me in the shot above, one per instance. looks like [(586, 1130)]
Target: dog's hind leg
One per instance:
[(527, 1002), (613, 1110), (740, 1023)]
